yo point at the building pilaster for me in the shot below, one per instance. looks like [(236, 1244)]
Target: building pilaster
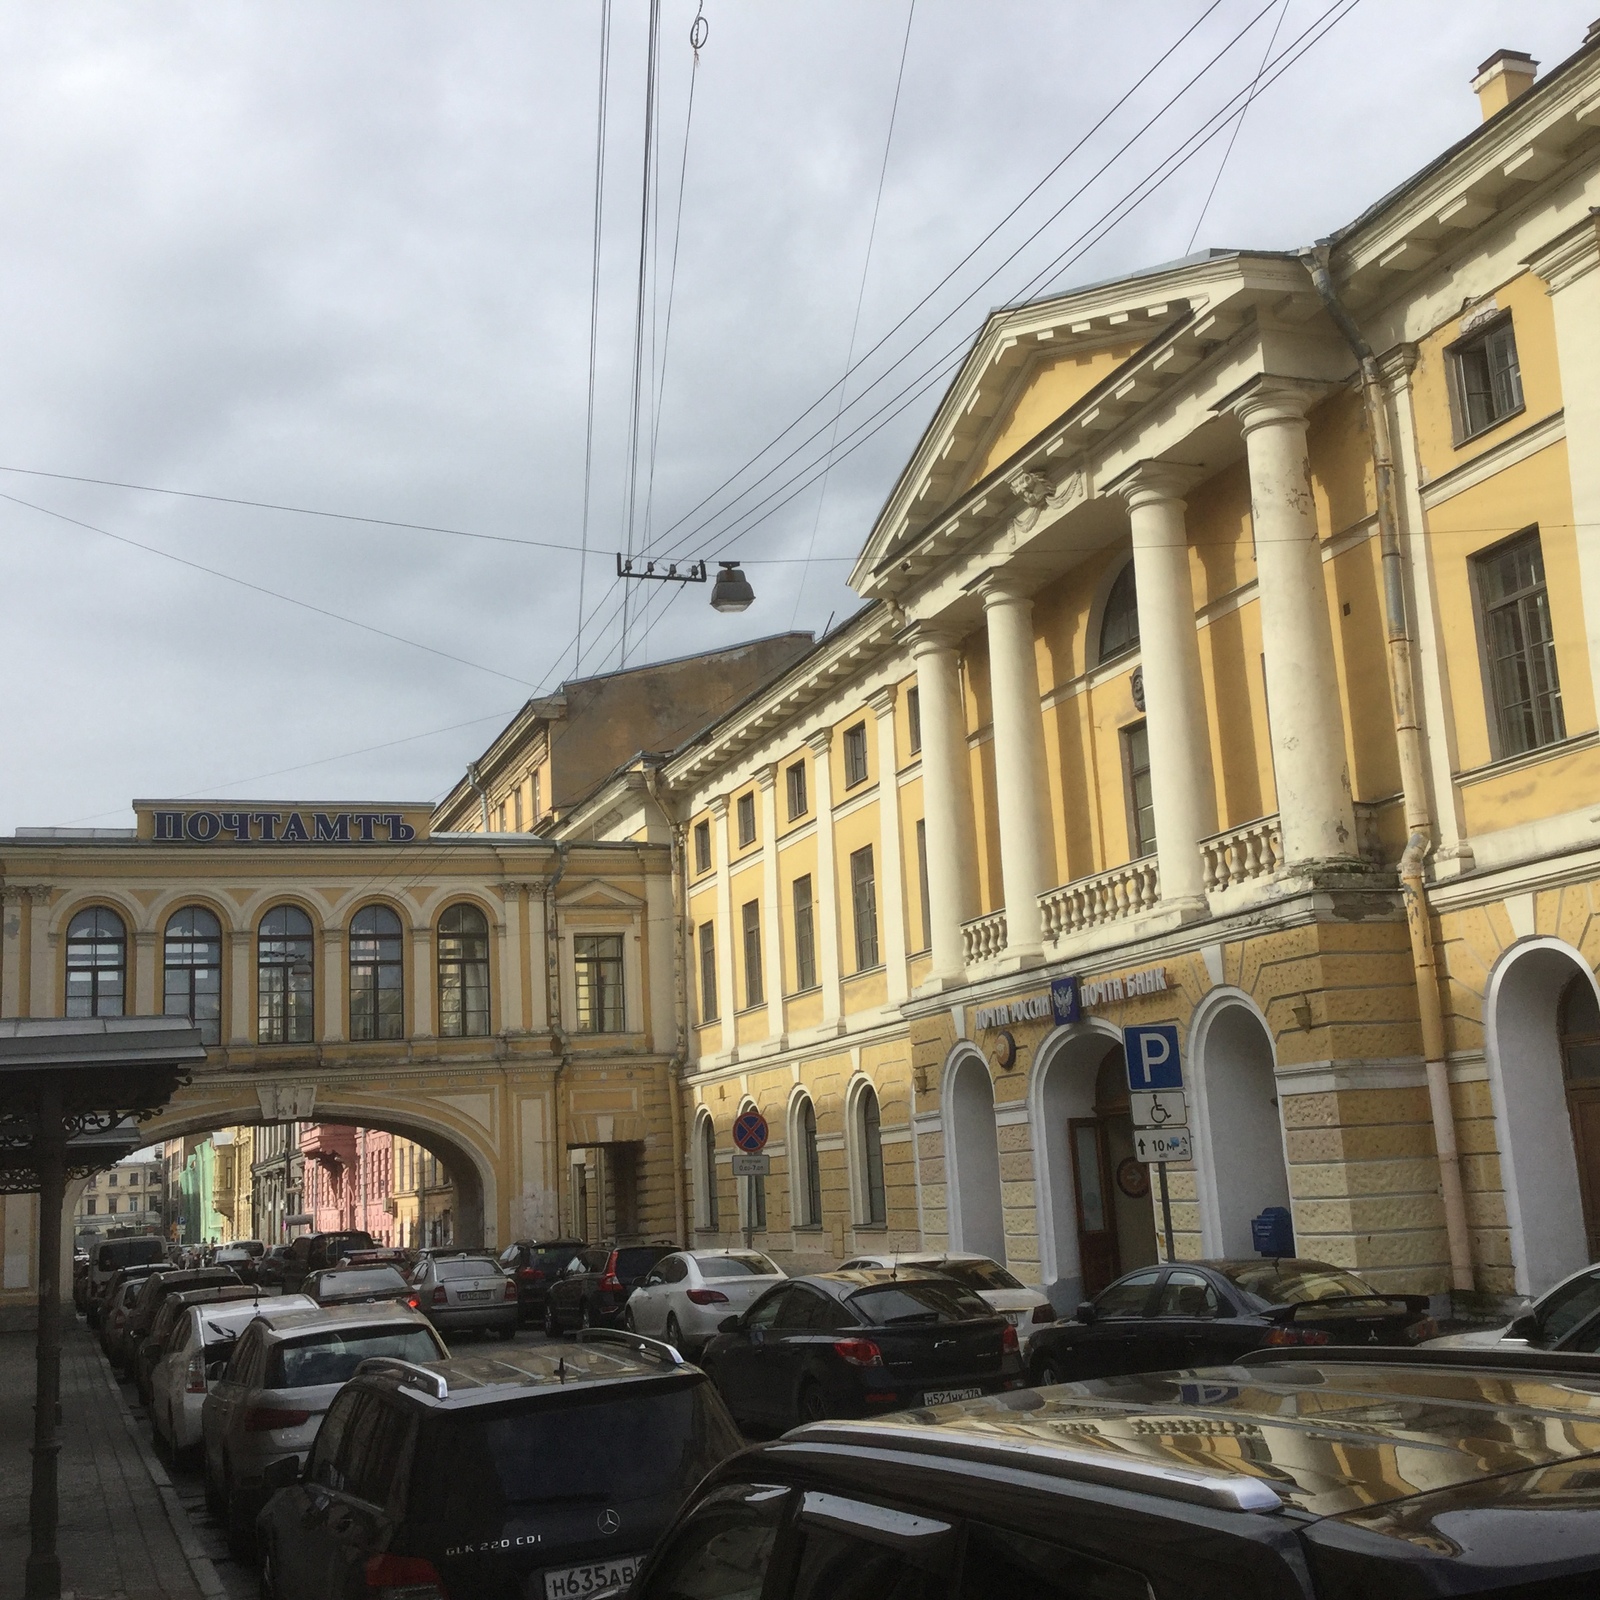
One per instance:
[(826, 909), (891, 849), (727, 994), (771, 906)]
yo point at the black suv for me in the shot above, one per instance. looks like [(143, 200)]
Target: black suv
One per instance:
[(1294, 1475), (532, 1264), (313, 1251), (593, 1289), (541, 1472)]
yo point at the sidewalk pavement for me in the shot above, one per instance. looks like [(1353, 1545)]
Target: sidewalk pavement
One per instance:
[(124, 1535)]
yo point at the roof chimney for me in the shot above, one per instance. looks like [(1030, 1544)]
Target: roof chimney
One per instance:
[(1502, 78)]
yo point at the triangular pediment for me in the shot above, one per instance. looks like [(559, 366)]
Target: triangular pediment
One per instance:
[(596, 895)]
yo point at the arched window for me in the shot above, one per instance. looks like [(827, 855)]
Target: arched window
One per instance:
[(284, 985), (192, 971), (874, 1206), (1119, 623), (707, 1140), (463, 973), (97, 963), (806, 1165), (377, 988)]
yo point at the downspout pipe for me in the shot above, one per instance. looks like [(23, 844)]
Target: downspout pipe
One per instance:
[(1401, 654), (680, 998), (560, 1045), (483, 794)]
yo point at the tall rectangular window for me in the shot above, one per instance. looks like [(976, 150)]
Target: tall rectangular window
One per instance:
[(922, 883), (747, 820), (1519, 646), (913, 720), (756, 1205), (1487, 378), (516, 808), (855, 755), (750, 917), (805, 941), (1141, 807), (795, 776), (536, 785), (702, 847), (708, 972), (864, 903), (597, 967)]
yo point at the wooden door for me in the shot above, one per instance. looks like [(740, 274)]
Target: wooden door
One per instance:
[(1098, 1260), (1583, 1105)]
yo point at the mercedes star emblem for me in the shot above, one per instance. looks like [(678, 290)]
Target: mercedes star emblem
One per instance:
[(608, 1521)]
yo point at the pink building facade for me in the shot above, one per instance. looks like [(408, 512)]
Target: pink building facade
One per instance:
[(349, 1179)]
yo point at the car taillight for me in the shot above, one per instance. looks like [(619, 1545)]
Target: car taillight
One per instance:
[(611, 1281), (858, 1352), (708, 1297), (530, 1275), (414, 1301), (439, 1296), (511, 1291), (1297, 1336), (1008, 1341), (404, 1578), (1424, 1328), (1044, 1312), (194, 1375), (261, 1419)]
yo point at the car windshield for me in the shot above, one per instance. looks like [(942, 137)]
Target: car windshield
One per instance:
[(466, 1269), (636, 1262), (602, 1452), (918, 1302), (979, 1274), (744, 1266), (1289, 1283), (333, 1356), (1568, 1304), (364, 1280)]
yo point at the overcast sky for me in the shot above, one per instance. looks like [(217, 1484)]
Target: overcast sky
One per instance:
[(338, 257)]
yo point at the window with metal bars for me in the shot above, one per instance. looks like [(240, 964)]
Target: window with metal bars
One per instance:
[(1487, 378), (192, 970), (1519, 646), (597, 968), (377, 984), (97, 963)]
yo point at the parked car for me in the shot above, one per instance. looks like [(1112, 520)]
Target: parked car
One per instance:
[(147, 1306), (114, 1316), (462, 1293), (355, 1285), (270, 1268), (239, 1256), (110, 1257), (1544, 1324), (313, 1251), (1239, 1481), (382, 1255), (541, 1474), (843, 1344), (533, 1263), (686, 1296), (1205, 1313), (269, 1398), (1024, 1308), (593, 1289), (205, 1323)]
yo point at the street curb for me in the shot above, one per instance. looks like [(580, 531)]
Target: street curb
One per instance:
[(200, 1564)]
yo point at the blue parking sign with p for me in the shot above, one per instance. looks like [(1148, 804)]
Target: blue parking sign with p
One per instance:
[(1152, 1052)]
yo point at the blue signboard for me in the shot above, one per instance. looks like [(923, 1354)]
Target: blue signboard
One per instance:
[(1066, 999), (1152, 1052), (750, 1132)]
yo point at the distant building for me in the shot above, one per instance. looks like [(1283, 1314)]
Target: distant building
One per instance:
[(130, 1198)]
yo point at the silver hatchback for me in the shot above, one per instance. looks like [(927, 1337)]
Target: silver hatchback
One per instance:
[(464, 1292), (269, 1400)]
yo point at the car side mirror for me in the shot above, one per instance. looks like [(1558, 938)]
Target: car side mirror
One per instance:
[(1086, 1311), (216, 1371), (653, 1280), (729, 1325), (283, 1473), (1524, 1327)]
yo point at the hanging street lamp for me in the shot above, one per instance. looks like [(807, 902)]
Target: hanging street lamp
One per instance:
[(732, 591)]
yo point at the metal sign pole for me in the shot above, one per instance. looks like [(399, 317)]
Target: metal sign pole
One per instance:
[(1166, 1207)]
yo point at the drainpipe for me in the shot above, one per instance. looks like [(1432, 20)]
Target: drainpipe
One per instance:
[(680, 998), (483, 794), (559, 1042), (1413, 777)]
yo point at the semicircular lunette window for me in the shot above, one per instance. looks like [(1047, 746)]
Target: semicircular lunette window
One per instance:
[(192, 970), (1119, 625), (285, 988), (97, 963)]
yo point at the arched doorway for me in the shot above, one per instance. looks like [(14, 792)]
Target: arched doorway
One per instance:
[(977, 1212), (1096, 1218), (1542, 1044), (1241, 1159)]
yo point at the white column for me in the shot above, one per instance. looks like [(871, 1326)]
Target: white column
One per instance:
[(826, 910), (727, 995), (891, 853), (1567, 265), (423, 986), (771, 904), (946, 801), (1303, 706), (241, 959), (538, 1012), (1181, 782), (1026, 867), (333, 996)]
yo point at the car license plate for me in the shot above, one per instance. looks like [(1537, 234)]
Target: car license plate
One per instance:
[(572, 1582), (943, 1397), (472, 1294)]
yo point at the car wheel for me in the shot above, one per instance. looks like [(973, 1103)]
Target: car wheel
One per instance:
[(809, 1407), (1046, 1374), (674, 1333), (213, 1490), (551, 1325)]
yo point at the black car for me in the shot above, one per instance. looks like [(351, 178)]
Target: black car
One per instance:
[(536, 1474), (313, 1251), (1203, 1313), (593, 1289), (1365, 1473), (846, 1344), (532, 1264), (270, 1268), (152, 1296)]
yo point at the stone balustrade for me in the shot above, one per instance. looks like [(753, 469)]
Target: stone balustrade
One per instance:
[(984, 937), (1239, 855), (1124, 891)]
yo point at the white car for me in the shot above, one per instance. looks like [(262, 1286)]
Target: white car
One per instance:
[(178, 1383), (686, 1296), (1024, 1308), (1543, 1324)]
